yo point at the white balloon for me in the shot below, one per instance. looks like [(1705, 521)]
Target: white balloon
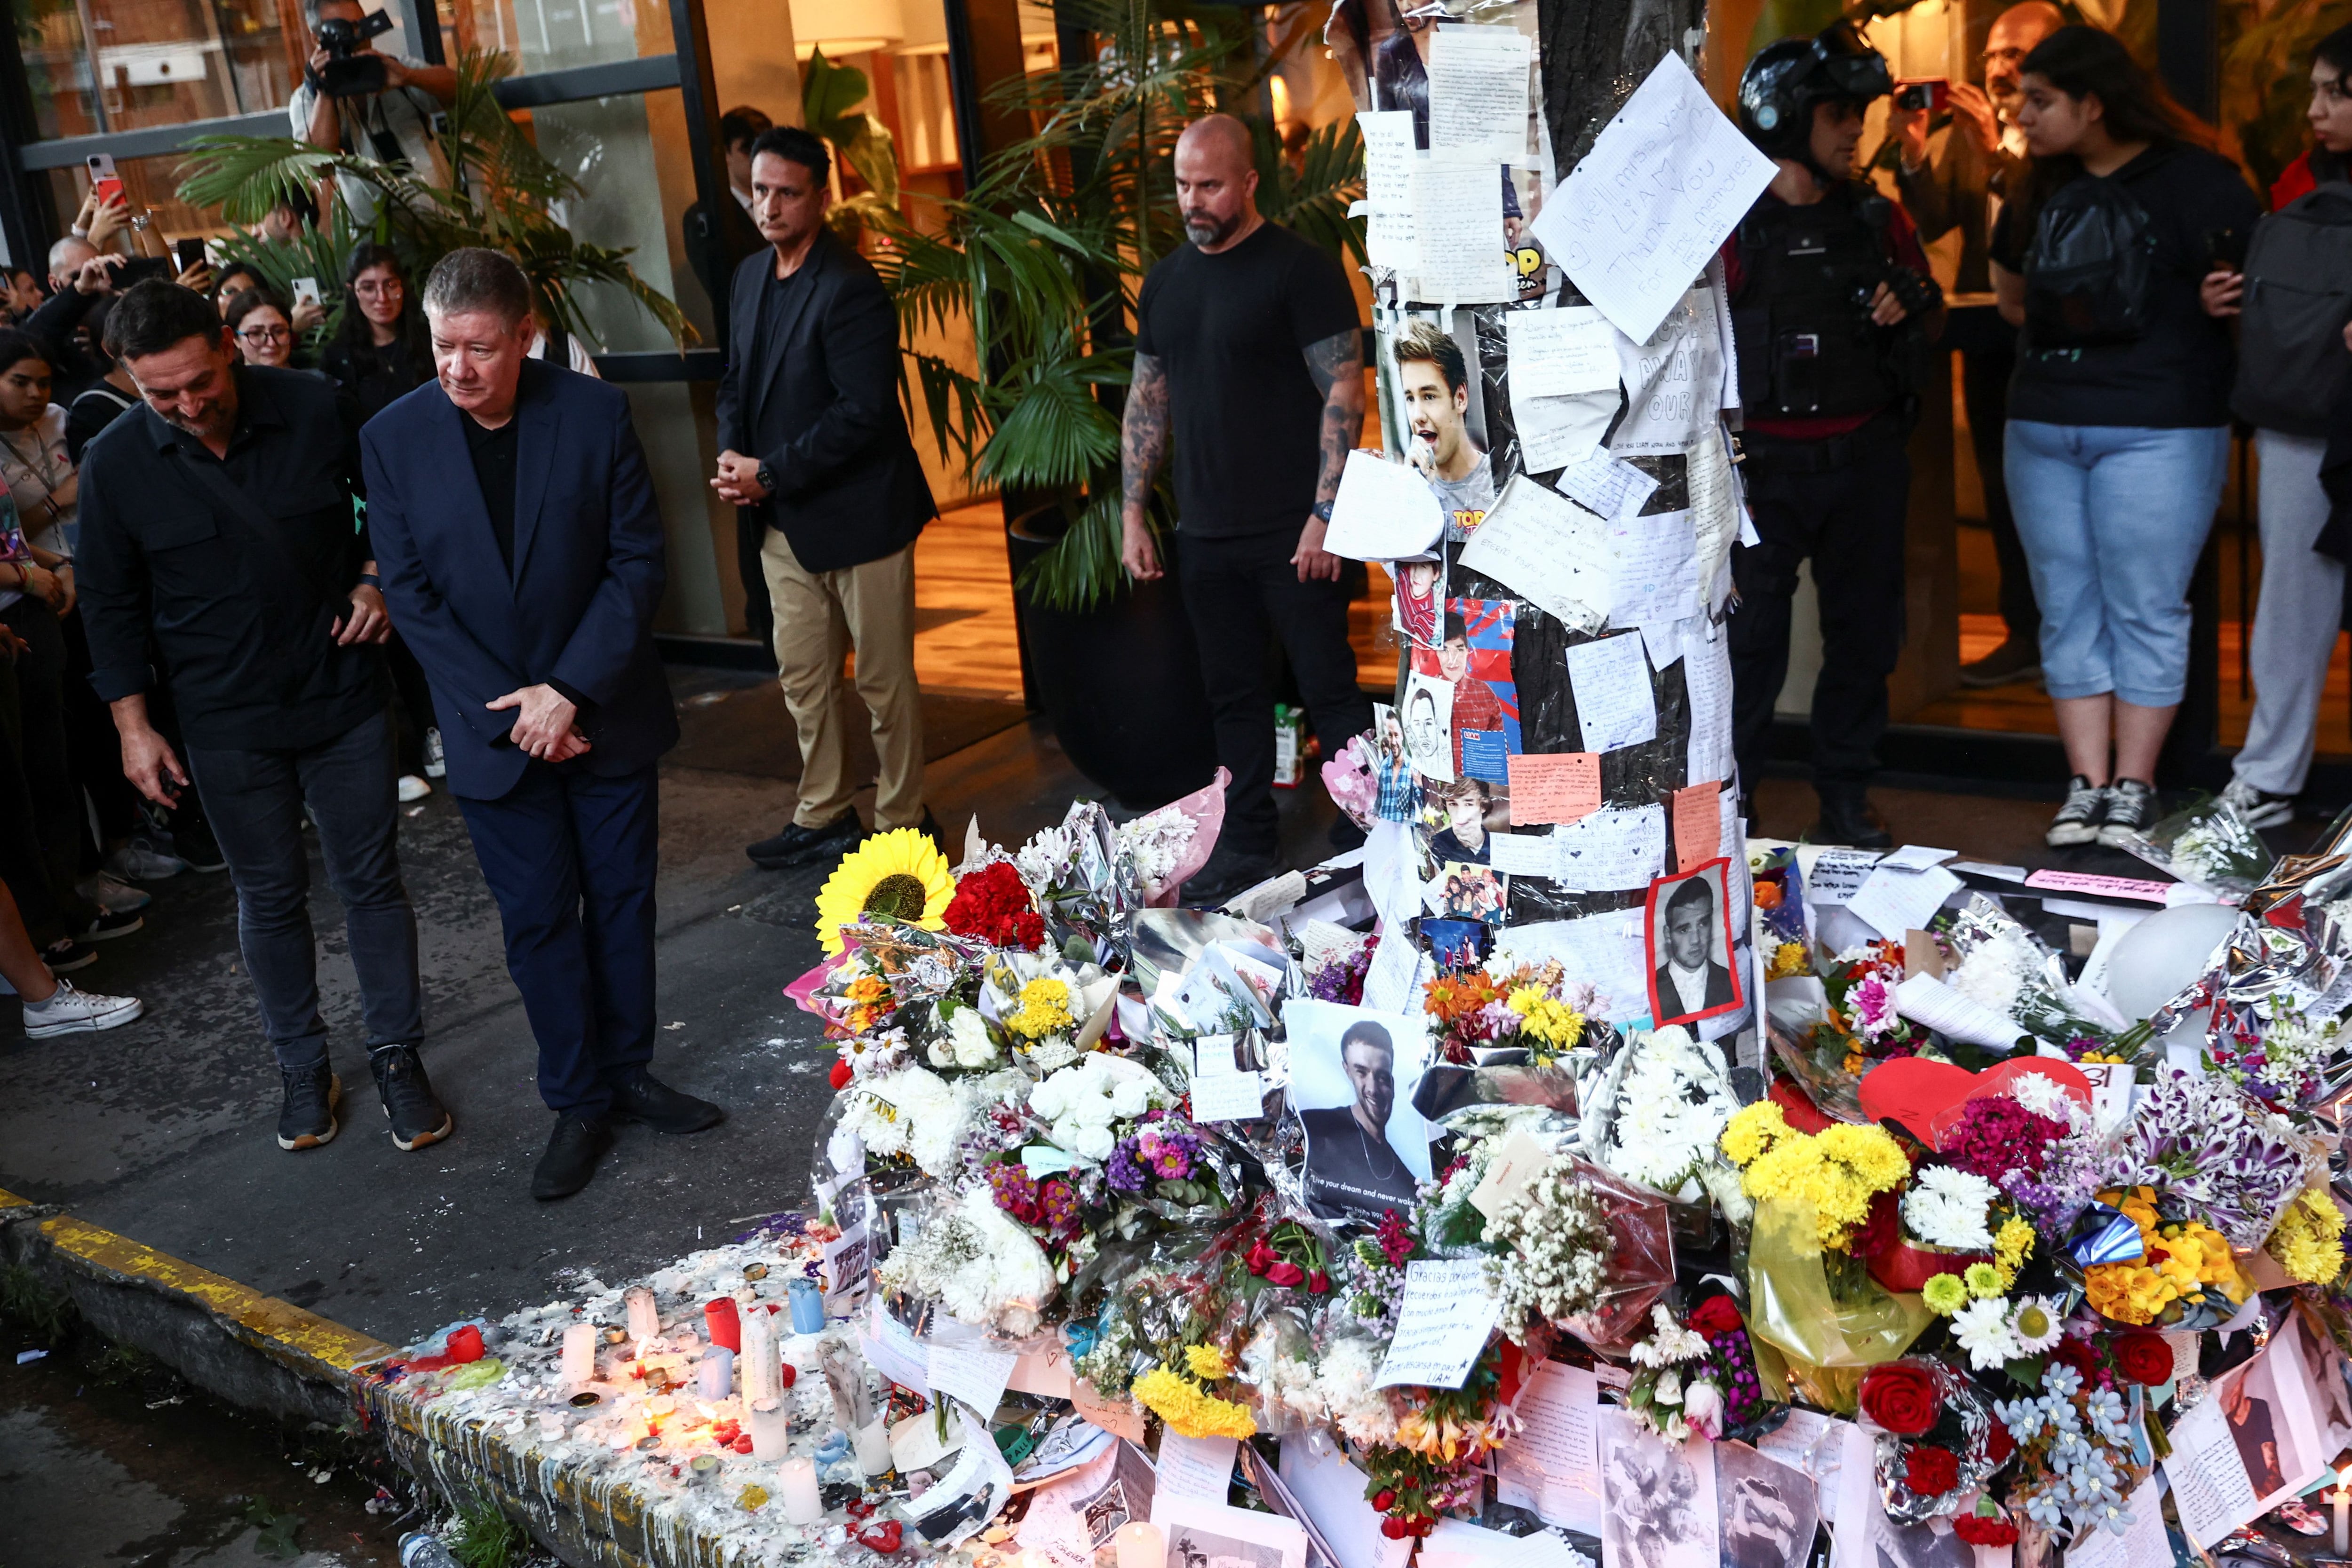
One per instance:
[(2160, 958)]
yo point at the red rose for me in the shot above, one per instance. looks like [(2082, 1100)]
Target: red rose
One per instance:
[(1385, 1499), (2077, 1354), (1286, 1273), (1999, 1444), (840, 1075), (1715, 1315), (1978, 1530), (1317, 1280), (1394, 1528), (1902, 1399), (1929, 1471), (2143, 1357)]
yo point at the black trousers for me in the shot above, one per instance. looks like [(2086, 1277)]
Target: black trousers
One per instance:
[(51, 804), (1846, 516), (1236, 590), (1987, 348)]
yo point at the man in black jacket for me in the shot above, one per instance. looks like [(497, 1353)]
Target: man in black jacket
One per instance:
[(809, 412)]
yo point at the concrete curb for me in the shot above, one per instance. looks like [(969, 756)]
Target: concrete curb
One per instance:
[(259, 1352)]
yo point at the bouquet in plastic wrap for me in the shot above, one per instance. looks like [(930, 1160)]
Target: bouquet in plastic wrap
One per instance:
[(2001, 965), (2207, 845)]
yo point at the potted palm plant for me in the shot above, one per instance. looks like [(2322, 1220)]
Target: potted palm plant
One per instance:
[(1042, 264), (501, 193)]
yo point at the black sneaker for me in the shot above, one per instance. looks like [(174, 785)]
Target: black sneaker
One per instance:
[(641, 1097), (2078, 822), (2131, 807), (1227, 877), (193, 841), (797, 845), (2012, 662), (1850, 819), (67, 956), (109, 924), (2258, 809), (308, 1118), (415, 1113), (572, 1150)]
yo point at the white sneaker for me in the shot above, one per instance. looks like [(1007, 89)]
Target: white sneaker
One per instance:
[(114, 896), (139, 861), (436, 765), (413, 788), (78, 1012), (2258, 809)]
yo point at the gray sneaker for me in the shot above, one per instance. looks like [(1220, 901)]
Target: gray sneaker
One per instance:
[(72, 1011), (2131, 807), (2258, 809), (2078, 822)]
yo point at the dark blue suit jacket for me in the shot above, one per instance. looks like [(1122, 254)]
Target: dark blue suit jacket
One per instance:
[(588, 572)]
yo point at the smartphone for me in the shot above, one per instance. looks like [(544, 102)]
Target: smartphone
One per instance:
[(138, 268), (190, 252), (2228, 249), (1930, 93), (306, 292), (104, 183)]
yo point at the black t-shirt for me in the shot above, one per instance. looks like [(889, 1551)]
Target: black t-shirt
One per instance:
[(493, 452), (1230, 331), (2177, 374)]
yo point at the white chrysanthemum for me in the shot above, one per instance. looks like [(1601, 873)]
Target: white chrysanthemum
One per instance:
[(1083, 1101), (1981, 1329), (1670, 1345), (2040, 1093), (972, 1045), (1947, 1208), (2036, 1324), (1995, 971), (978, 1264)]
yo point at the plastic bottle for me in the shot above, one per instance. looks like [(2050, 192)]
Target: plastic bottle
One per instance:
[(421, 1549)]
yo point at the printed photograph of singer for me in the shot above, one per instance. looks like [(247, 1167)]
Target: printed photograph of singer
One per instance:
[(1692, 976), (1353, 1072)]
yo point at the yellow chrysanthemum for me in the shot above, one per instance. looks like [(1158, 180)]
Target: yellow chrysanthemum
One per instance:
[(1788, 959), (900, 873), (1044, 1008), (2309, 1241), (1752, 1130), (1982, 1279), (1838, 1171), (2011, 1245), (1548, 1019), (1945, 1294), (1189, 1411), (1206, 1361)]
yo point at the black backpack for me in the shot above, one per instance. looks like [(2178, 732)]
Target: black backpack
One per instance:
[(2086, 274), (2292, 362)]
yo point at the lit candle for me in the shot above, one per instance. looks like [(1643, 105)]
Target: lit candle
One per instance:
[(808, 1307), (2342, 1497), (757, 1368), (715, 1378), (874, 1446), (796, 1479), (645, 1318), (1141, 1545), (770, 1428), (579, 1356), (720, 1320)]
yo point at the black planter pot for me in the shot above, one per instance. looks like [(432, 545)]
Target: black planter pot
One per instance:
[(1122, 683)]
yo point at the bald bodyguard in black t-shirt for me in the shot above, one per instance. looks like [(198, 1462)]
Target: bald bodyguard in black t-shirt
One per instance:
[(1249, 356)]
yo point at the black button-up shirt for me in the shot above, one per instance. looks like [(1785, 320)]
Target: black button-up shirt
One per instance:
[(241, 599)]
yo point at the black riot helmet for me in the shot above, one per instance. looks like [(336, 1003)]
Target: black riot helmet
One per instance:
[(1786, 79)]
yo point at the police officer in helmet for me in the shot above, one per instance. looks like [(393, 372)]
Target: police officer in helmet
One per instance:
[(1832, 308)]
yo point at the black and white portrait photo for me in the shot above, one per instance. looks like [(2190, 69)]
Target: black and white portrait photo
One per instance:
[(1660, 1501), (1428, 725), (2258, 1425), (1352, 1073), (1688, 930), (1201, 1534), (1769, 1511)]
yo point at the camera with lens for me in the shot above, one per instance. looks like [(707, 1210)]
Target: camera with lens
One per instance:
[(351, 71)]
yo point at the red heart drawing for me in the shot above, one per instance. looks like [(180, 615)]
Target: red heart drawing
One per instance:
[(1915, 1093)]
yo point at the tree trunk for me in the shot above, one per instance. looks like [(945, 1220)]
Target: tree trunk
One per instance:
[(1595, 53)]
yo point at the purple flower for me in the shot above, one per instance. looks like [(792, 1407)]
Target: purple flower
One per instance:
[(1121, 1171)]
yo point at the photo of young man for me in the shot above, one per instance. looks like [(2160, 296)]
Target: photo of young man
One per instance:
[(1416, 600), (1356, 1162), (1434, 386), (1690, 944)]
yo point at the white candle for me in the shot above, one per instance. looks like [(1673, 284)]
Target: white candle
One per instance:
[(2342, 1497), (715, 1378), (770, 1428), (874, 1446), (796, 1479), (551, 1425), (757, 1368), (579, 1356), (645, 1318), (1141, 1545)]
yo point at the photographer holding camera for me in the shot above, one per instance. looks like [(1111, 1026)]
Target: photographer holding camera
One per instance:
[(1832, 308), (353, 100)]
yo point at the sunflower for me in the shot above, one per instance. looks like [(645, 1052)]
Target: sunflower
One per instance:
[(900, 873)]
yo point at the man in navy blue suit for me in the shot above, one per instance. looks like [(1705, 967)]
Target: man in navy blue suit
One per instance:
[(521, 550)]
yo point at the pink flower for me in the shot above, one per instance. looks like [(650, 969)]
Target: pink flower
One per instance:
[(1873, 1008), (1703, 1409)]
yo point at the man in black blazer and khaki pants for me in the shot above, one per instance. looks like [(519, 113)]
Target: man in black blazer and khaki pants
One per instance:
[(808, 411)]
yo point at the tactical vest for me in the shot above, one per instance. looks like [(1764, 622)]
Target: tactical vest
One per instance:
[(1807, 346)]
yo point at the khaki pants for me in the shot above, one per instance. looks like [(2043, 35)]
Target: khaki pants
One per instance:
[(876, 603)]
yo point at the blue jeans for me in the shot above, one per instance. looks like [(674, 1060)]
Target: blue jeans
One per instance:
[(2113, 518)]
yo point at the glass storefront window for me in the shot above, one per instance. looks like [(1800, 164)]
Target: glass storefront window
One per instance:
[(122, 65), (555, 35)]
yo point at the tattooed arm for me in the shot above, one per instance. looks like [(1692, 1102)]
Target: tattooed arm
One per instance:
[(1142, 446), (1337, 363)]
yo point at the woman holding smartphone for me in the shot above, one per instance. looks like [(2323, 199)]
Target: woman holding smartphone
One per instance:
[(2118, 432)]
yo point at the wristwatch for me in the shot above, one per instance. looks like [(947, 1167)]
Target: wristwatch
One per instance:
[(767, 479), (1323, 510)]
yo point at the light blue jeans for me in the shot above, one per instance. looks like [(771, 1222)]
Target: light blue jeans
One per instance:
[(2113, 518)]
